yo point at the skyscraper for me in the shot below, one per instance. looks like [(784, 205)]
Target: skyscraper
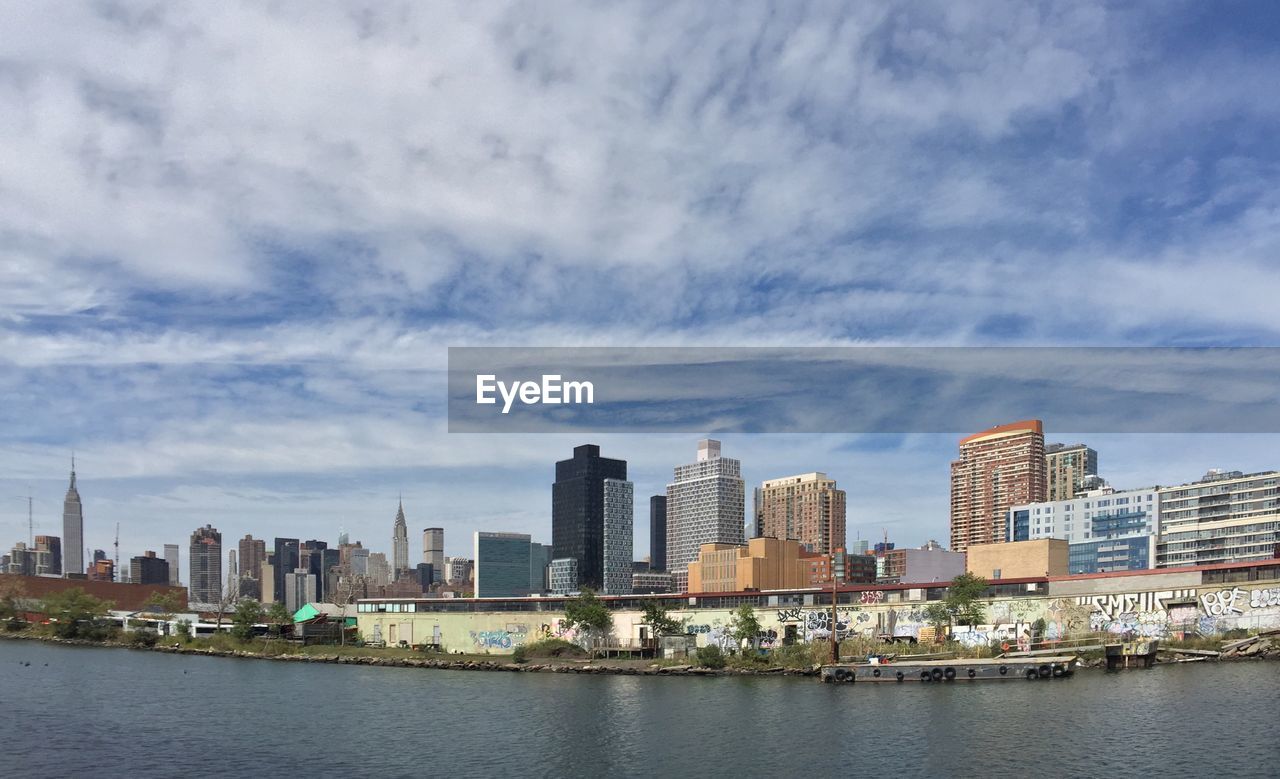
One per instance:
[(997, 469), (619, 531), (53, 546), (233, 574), (658, 532), (433, 551), (705, 505), (577, 511), (253, 553), (503, 564), (400, 543), (808, 508), (148, 569), (1067, 467), (283, 562), (171, 557), (72, 529), (206, 566)]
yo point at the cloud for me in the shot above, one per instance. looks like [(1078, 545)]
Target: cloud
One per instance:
[(236, 238)]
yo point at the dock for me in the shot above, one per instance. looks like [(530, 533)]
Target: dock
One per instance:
[(953, 670)]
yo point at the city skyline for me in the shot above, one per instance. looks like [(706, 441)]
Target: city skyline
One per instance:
[(1130, 461)]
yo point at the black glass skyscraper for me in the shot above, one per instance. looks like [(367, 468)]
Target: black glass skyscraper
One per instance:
[(658, 533), (285, 561), (577, 510)]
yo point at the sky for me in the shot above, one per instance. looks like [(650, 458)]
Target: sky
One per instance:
[(236, 239)]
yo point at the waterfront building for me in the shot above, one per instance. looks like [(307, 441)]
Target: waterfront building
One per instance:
[(658, 532), (563, 576), (929, 563), (1106, 530), (808, 508), (148, 569), (619, 531), (650, 582), (283, 560), (399, 543), (1224, 517), (206, 565), (301, 584), (73, 528), (578, 512), (705, 504), (171, 555), (1067, 468), (760, 564), (503, 564), (1019, 559), (997, 469), (433, 551)]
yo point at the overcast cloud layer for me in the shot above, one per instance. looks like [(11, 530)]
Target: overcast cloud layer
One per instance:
[(235, 239)]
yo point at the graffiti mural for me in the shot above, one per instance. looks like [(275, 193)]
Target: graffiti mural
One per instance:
[(971, 636), (497, 639)]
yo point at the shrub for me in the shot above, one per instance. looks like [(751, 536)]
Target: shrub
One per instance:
[(184, 630), (710, 657), (547, 647), (143, 638)]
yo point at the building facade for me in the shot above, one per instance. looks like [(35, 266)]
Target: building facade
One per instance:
[(300, 589), (253, 553), (658, 532), (205, 566), (539, 563), (1019, 559), (1067, 467), (996, 470), (73, 528), (171, 554), (1224, 517), (284, 560), (52, 562), (578, 511), (705, 505), (921, 566), (399, 543), (433, 551), (563, 576), (1106, 530), (459, 571), (808, 508), (619, 530), (148, 569), (760, 564), (502, 564)]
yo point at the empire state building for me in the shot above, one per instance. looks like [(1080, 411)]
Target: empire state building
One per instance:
[(72, 530)]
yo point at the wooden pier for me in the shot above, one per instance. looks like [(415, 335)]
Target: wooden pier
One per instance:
[(953, 670)]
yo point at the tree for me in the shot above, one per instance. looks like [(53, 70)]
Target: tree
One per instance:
[(75, 612), (344, 592), (248, 614), (744, 626), (12, 594), (226, 603), (588, 614), (962, 599), (277, 617), (961, 606), (659, 621), (163, 604), (937, 615)]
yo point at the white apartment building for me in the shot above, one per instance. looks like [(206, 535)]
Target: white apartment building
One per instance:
[(705, 504)]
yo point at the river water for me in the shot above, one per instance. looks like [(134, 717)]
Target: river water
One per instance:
[(116, 712)]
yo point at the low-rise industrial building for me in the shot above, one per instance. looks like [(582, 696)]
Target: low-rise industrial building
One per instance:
[(1019, 559)]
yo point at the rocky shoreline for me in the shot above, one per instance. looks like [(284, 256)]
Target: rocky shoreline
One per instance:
[(1255, 650)]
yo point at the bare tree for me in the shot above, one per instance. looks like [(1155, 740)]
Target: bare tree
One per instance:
[(348, 587), (226, 603)]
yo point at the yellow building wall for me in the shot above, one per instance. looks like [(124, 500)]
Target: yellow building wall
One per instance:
[(1019, 559)]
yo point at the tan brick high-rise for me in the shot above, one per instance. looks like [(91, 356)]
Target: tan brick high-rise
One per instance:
[(807, 508), (997, 469)]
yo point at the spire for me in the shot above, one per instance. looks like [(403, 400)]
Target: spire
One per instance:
[(73, 470)]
